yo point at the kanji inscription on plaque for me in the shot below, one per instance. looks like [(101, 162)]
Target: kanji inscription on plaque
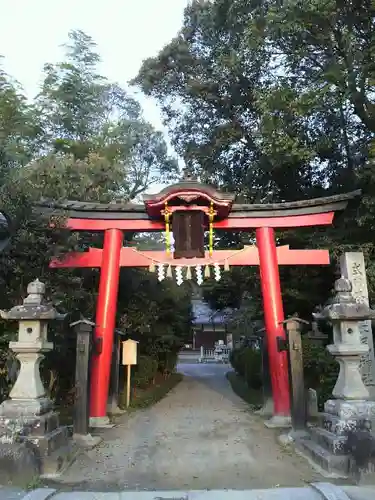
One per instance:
[(352, 265)]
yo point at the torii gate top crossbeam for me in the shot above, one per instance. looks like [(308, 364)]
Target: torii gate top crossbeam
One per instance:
[(190, 196)]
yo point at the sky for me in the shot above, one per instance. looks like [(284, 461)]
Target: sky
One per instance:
[(126, 32)]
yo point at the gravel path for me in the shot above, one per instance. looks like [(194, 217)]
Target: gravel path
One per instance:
[(201, 436)]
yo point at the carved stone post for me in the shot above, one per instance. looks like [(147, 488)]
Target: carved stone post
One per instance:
[(293, 328), (352, 265), (84, 331)]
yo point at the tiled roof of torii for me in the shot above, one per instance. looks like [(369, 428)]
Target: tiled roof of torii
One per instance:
[(119, 210)]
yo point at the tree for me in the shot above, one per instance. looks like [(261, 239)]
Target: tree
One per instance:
[(82, 139), (234, 115), (327, 43), (249, 111), (81, 113), (18, 126)]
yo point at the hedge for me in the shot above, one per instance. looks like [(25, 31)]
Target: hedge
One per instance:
[(145, 371), (320, 368), (148, 367), (247, 363)]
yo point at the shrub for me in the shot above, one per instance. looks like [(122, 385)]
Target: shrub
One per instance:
[(320, 370), (145, 371), (7, 362), (247, 363), (253, 368), (167, 362), (234, 359)]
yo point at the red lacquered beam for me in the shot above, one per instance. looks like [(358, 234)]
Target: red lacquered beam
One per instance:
[(130, 257), (232, 223)]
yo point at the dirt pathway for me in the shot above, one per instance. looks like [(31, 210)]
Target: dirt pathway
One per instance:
[(201, 436)]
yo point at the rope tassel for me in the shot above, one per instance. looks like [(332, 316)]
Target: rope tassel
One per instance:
[(167, 215), (211, 215), (169, 272), (207, 271)]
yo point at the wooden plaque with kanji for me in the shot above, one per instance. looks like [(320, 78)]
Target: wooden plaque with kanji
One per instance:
[(188, 233)]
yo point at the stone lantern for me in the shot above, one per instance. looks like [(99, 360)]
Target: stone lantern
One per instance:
[(28, 415), (28, 395), (350, 411), (345, 314)]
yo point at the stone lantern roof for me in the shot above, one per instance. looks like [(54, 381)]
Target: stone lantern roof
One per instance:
[(34, 306), (343, 307)]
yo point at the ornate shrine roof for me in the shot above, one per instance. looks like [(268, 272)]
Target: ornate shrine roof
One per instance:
[(118, 210), (189, 192)]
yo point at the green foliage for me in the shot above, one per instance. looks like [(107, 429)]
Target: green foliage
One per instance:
[(247, 363), (253, 397), (253, 368), (320, 370), (18, 125), (328, 44), (227, 292), (83, 138), (274, 101), (167, 362), (152, 394), (236, 361), (145, 371)]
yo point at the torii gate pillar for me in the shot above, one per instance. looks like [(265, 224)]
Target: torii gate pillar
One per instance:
[(273, 318), (105, 326)]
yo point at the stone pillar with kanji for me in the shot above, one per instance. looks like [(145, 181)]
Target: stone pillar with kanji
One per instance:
[(352, 266), (28, 416)]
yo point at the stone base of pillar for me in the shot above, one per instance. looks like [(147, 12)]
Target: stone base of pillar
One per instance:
[(87, 441), (18, 408), (23, 421), (19, 465), (266, 410), (100, 423), (114, 409), (279, 422), (325, 445), (347, 409)]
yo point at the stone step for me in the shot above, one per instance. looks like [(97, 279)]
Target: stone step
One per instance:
[(54, 465), (337, 425), (47, 444), (331, 442), (48, 423), (332, 464)]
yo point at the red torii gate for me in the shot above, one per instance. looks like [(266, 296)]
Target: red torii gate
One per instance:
[(219, 212)]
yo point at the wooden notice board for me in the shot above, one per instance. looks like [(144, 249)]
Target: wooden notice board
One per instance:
[(129, 352), (129, 358)]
